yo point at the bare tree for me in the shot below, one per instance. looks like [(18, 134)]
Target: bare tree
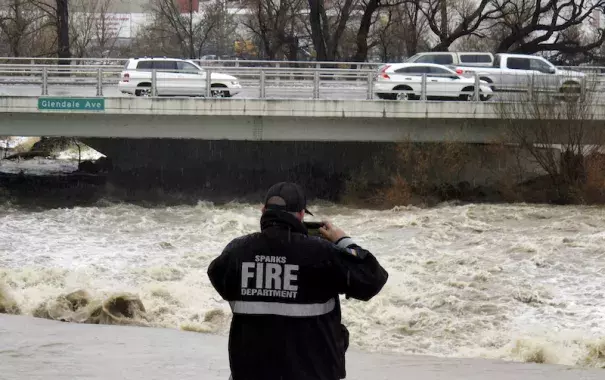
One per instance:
[(562, 135), (370, 15), (58, 12), (13, 24), (400, 31), (20, 23), (451, 20), (327, 31), (534, 26), (186, 33), (576, 36), (277, 25), (386, 36), (370, 8), (221, 36), (90, 27), (106, 36), (175, 26)]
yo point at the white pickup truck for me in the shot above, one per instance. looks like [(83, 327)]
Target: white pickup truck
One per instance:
[(517, 72)]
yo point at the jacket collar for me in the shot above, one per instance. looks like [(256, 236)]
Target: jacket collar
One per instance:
[(281, 220)]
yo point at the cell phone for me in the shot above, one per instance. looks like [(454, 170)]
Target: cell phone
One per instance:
[(313, 228)]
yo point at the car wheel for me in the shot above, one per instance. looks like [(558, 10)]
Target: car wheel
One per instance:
[(143, 91), (403, 95), (219, 92), (490, 84), (465, 96)]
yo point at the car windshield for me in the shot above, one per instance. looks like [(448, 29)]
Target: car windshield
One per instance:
[(195, 64)]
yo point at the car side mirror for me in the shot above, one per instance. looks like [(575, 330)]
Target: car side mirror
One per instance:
[(552, 70)]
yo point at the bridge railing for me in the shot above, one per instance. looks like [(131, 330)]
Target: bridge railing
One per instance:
[(282, 82), (120, 62)]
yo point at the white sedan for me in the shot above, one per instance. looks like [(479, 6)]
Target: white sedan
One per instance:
[(403, 81)]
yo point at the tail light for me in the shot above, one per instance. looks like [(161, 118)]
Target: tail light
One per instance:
[(126, 77), (459, 71), (383, 73)]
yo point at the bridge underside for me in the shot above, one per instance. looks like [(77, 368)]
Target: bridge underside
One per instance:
[(226, 168), (238, 168)]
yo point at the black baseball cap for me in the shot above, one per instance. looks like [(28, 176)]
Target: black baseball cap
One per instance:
[(286, 196)]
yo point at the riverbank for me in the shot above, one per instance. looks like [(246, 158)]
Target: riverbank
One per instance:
[(41, 349), (66, 172), (61, 183)]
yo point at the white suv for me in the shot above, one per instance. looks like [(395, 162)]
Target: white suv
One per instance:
[(174, 77)]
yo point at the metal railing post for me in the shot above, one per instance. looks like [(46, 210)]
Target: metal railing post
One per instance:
[(208, 83), (154, 83), (530, 90), (316, 82), (423, 88), (100, 81), (262, 84), (477, 88), (370, 86), (44, 81)]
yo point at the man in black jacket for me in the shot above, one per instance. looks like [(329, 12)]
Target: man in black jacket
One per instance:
[(283, 286)]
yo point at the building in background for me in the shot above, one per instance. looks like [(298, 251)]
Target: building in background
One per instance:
[(187, 6), (125, 17)]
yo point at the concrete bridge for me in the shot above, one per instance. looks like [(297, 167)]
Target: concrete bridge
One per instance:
[(240, 145), (259, 119)]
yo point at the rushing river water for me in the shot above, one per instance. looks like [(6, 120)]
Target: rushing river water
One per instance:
[(514, 282)]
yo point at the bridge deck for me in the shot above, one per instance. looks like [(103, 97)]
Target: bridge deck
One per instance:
[(258, 119), (260, 107)]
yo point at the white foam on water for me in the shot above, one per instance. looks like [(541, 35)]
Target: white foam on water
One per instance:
[(516, 282), (39, 166), (64, 162)]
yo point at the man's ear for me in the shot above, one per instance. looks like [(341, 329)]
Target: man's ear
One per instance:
[(301, 215)]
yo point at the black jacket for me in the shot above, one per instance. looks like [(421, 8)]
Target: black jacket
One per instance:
[(283, 287)]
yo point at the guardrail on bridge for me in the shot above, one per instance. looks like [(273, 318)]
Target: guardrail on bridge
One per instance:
[(270, 82)]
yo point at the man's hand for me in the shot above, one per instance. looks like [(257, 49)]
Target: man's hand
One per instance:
[(331, 232)]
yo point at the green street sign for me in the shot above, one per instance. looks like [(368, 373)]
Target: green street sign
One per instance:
[(71, 104)]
